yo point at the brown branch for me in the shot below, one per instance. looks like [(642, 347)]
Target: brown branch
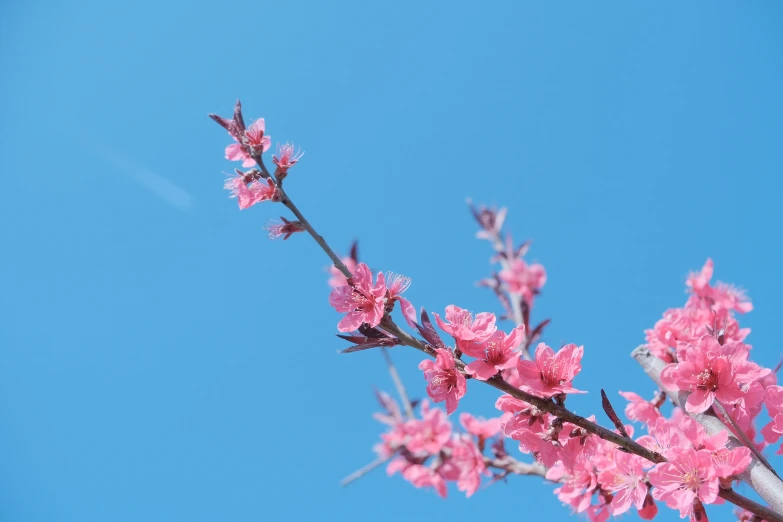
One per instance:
[(754, 507), (546, 405)]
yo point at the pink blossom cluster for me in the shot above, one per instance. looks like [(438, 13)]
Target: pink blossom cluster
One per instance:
[(428, 453), (708, 310), (599, 479), (365, 302), (253, 186), (708, 368), (595, 477), (517, 278)]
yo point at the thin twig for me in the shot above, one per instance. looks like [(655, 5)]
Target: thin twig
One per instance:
[(285, 200), (516, 467), (359, 473), (406, 403)]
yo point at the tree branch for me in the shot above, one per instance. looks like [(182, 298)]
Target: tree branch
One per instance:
[(758, 476), (359, 473), (406, 403)]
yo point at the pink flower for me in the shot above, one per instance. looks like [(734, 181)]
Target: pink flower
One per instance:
[(480, 427), (360, 299), (444, 381), (255, 140), (520, 417), (287, 159), (495, 354), (285, 228), (462, 327), (251, 141), (235, 152), (639, 409), (626, 479), (721, 296), (523, 279), (773, 398), (391, 442), (578, 485), (711, 372), (423, 477), (396, 284), (465, 464), (689, 475), (429, 434), (249, 191), (730, 462), (551, 373)]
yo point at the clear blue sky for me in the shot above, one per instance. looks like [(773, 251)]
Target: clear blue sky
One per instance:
[(161, 360)]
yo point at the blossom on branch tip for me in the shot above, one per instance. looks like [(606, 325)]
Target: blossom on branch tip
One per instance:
[(490, 221), (396, 284), (285, 158), (255, 138), (251, 141), (286, 228), (719, 297), (551, 373), (360, 299), (444, 381)]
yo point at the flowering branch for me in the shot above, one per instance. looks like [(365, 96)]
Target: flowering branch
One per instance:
[(686, 461), (757, 475)]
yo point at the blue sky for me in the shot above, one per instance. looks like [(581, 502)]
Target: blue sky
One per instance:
[(161, 360)]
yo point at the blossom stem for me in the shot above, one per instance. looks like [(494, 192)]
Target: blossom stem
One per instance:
[(285, 200), (359, 473), (406, 403)]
